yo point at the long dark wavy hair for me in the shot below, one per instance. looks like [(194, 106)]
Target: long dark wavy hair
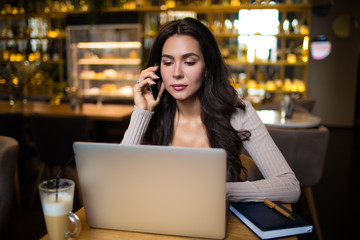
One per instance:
[(218, 98)]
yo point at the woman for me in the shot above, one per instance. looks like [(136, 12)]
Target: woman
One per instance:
[(197, 107)]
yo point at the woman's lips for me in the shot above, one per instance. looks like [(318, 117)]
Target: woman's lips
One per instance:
[(178, 87)]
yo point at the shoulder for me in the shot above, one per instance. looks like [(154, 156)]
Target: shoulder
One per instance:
[(241, 117), (241, 113)]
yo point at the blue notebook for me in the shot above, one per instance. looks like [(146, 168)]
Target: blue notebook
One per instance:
[(266, 222)]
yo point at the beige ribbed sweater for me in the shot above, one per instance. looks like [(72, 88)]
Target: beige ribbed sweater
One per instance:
[(279, 183)]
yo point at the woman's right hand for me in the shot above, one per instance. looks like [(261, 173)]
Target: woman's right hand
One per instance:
[(143, 97)]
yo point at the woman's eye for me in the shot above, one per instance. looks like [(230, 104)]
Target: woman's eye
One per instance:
[(167, 63), (190, 63)]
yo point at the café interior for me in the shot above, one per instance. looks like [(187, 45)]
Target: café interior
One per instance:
[(67, 69)]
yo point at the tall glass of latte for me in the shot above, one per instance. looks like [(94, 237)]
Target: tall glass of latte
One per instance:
[(57, 196)]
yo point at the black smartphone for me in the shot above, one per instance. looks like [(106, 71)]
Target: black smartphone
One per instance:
[(154, 89)]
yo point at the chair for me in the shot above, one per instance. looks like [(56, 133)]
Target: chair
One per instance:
[(9, 149), (54, 136), (308, 103), (305, 151), (13, 125)]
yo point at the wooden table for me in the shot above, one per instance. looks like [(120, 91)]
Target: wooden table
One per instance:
[(235, 230), (273, 118), (106, 112)]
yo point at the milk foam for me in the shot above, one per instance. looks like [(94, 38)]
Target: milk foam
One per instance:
[(53, 208)]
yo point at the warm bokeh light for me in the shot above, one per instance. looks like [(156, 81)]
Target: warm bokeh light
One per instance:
[(296, 85), (270, 86), (251, 84)]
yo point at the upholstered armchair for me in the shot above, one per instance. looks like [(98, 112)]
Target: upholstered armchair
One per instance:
[(305, 151), (9, 149)]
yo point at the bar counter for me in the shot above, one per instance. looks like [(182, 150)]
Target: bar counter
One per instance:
[(106, 112)]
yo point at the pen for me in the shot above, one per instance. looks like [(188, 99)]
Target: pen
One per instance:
[(270, 204)]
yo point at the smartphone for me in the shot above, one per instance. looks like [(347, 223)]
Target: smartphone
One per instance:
[(154, 89)]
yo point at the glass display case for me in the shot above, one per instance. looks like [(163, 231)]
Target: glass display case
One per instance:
[(104, 61)]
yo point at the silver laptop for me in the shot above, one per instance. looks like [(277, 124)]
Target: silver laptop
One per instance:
[(153, 189)]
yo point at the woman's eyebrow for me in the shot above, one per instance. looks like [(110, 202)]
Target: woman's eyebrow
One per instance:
[(191, 54), (167, 56), (183, 56)]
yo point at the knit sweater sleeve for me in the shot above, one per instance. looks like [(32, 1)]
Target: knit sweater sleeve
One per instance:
[(139, 122), (279, 183)]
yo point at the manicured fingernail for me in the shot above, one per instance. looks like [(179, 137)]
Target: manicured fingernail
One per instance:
[(155, 76)]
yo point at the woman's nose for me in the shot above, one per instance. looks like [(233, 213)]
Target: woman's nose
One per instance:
[(178, 74)]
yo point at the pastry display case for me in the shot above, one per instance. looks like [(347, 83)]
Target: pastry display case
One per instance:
[(104, 61)]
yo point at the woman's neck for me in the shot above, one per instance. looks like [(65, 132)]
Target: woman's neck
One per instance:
[(189, 130), (188, 109)]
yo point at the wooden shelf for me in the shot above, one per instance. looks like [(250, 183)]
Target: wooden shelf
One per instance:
[(234, 35), (216, 8), (5, 39), (32, 62), (30, 15), (110, 61), (109, 79), (267, 63)]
